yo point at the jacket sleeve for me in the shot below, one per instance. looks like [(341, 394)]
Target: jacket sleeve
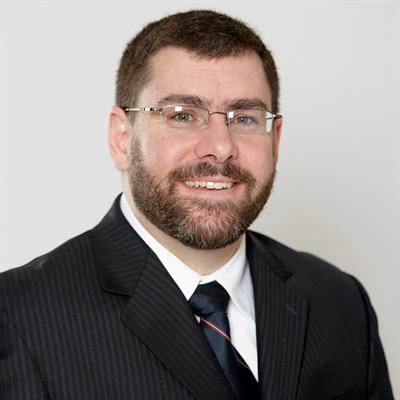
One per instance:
[(20, 378), (378, 382)]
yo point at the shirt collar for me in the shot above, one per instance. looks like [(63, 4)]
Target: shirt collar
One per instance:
[(234, 275)]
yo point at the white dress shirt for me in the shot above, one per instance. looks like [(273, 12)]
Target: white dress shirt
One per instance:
[(234, 276)]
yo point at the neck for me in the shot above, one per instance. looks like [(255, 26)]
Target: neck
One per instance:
[(202, 261)]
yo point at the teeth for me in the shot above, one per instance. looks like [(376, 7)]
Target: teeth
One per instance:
[(209, 185)]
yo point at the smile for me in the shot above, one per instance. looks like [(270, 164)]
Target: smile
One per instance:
[(209, 185)]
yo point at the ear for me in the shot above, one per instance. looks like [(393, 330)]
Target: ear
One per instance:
[(118, 138), (276, 138)]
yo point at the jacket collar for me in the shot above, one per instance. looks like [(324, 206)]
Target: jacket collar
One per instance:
[(120, 253), (281, 317), (117, 247), (158, 313)]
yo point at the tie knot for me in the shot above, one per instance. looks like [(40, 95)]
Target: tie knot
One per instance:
[(209, 298)]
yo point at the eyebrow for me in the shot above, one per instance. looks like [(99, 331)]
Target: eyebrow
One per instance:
[(246, 104), (191, 100)]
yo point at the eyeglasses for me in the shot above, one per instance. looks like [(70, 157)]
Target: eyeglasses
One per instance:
[(193, 118)]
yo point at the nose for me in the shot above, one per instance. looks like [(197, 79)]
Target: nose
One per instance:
[(216, 142)]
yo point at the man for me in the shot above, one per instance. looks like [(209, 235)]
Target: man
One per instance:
[(169, 296)]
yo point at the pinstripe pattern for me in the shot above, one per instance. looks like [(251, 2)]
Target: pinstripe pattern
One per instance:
[(89, 320), (322, 344), (210, 301)]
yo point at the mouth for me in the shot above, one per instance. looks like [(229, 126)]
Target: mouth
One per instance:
[(210, 185)]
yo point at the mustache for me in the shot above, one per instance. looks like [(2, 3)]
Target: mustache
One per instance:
[(205, 168)]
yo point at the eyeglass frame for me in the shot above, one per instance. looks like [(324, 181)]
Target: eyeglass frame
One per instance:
[(160, 109)]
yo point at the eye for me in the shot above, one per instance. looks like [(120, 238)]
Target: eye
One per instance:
[(182, 117), (245, 120)]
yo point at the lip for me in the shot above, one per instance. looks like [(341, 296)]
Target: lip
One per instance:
[(222, 179), (213, 183), (216, 192), (209, 185)]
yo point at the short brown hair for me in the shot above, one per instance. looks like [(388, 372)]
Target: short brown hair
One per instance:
[(206, 33)]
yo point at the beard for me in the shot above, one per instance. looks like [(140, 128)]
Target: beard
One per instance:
[(198, 223)]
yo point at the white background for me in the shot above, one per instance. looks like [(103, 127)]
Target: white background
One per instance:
[(337, 190)]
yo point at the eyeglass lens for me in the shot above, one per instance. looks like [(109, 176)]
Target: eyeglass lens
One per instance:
[(193, 118)]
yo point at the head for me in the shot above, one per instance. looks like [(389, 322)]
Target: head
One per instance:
[(206, 34), (202, 188)]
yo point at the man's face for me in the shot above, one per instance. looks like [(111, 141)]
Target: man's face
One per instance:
[(203, 188)]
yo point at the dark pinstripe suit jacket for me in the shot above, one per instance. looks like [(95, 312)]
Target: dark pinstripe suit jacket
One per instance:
[(100, 318)]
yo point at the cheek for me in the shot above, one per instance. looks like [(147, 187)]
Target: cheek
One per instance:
[(257, 157), (162, 153)]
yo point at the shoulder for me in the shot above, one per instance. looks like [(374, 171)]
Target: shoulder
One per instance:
[(333, 295), (309, 274), (50, 272), (342, 328)]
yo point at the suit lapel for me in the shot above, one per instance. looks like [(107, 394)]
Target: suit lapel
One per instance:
[(157, 312), (281, 320), (160, 316)]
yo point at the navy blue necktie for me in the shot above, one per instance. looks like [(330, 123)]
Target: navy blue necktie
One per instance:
[(209, 302)]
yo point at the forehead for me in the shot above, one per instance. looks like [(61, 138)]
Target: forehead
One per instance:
[(175, 71)]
